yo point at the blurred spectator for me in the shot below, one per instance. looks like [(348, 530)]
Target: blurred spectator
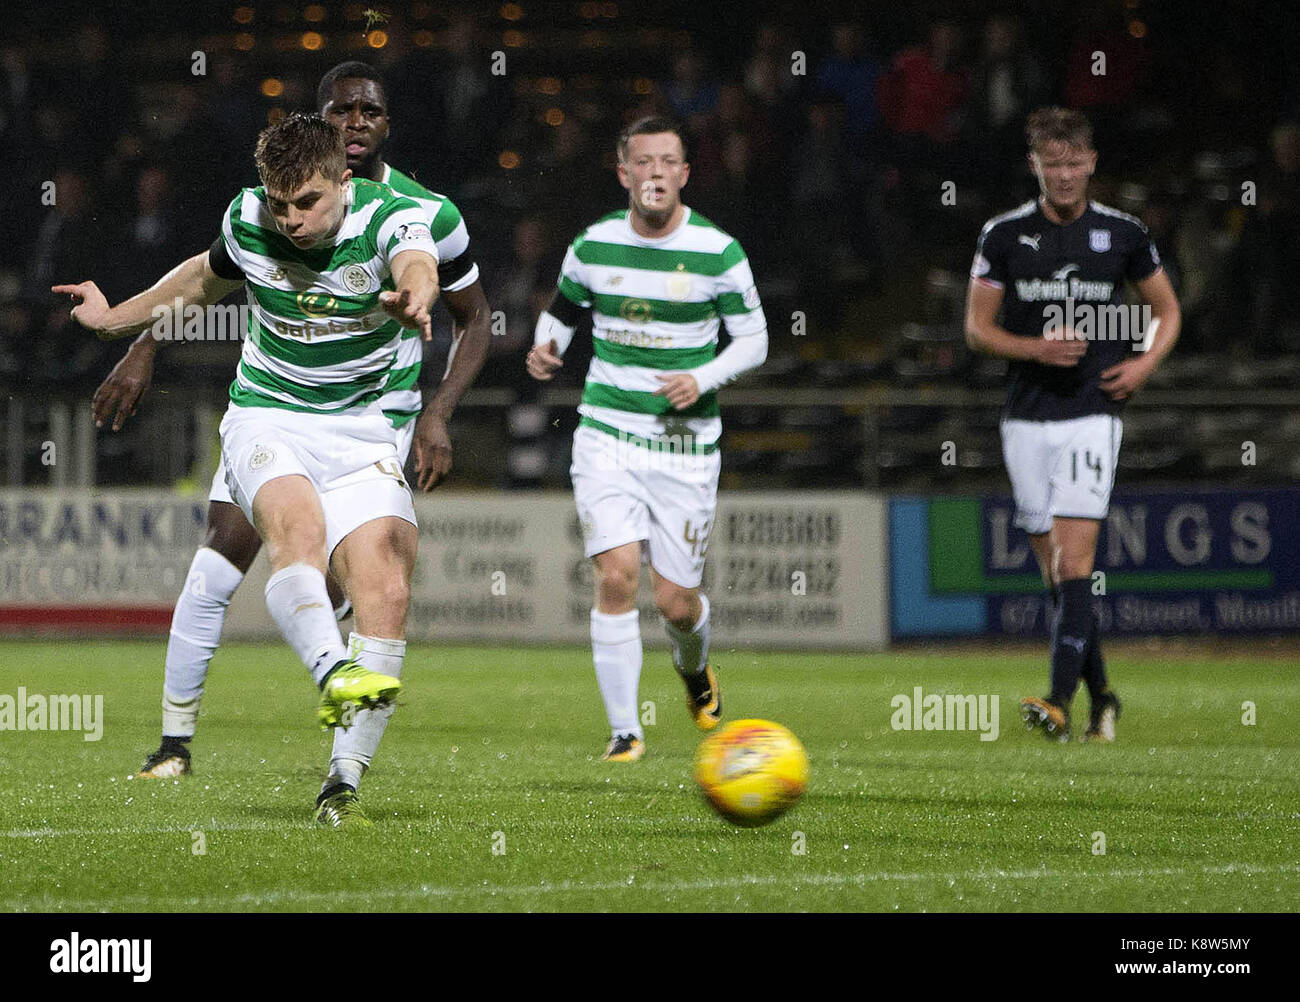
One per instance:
[(64, 250), (54, 137), (1007, 84), (818, 238), (16, 99), (176, 127), (96, 86), (772, 87), (17, 133), (520, 290), (228, 101), (738, 174), (730, 196), (1160, 215), (151, 243), (71, 246), (920, 101), (1260, 293), (691, 97), (769, 70), (1102, 72), (922, 93), (569, 181), (850, 73), (687, 91), (457, 136)]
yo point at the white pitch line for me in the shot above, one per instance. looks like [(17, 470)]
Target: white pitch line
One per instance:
[(660, 887), (163, 830)]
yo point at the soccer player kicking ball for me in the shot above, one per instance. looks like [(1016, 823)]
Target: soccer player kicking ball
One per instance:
[(351, 96), (1050, 265), (657, 277), (335, 268)]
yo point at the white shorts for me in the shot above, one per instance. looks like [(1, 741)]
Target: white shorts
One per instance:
[(1061, 469), (405, 436), (626, 493), (220, 492), (350, 459)]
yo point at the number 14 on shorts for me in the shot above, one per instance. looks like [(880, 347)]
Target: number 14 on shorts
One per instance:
[(1089, 461)]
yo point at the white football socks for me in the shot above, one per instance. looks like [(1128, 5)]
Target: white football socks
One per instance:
[(355, 746), (195, 633), (300, 606), (616, 651), (691, 650)]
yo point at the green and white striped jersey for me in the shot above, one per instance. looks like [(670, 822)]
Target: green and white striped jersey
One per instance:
[(656, 307), (402, 401), (318, 339)]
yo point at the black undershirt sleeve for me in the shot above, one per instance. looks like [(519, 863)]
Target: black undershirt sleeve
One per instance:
[(564, 310), (451, 272), (220, 262)]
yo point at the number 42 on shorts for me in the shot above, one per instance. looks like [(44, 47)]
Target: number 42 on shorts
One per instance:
[(697, 537)]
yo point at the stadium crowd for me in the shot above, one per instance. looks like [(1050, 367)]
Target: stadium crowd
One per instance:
[(854, 154)]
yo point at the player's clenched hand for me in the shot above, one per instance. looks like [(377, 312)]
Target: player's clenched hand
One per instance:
[(544, 360), (432, 450), (119, 394), (681, 390), (402, 308), (92, 311), (1061, 349), (1121, 381)]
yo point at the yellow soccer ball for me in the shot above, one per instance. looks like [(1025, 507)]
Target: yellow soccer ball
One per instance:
[(751, 771)]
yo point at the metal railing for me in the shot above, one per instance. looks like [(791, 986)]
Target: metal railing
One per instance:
[(51, 440)]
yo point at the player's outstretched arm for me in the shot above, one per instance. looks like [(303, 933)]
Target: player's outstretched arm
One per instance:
[(192, 281), (743, 354), (1121, 381), (471, 331), (415, 275), (984, 335), (119, 395), (552, 336)]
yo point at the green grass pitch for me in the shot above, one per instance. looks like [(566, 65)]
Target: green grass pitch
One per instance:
[(499, 748)]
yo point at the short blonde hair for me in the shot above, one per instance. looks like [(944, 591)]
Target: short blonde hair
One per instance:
[(1047, 125)]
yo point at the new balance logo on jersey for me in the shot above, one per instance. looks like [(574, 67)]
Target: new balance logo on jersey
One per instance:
[(1029, 241)]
